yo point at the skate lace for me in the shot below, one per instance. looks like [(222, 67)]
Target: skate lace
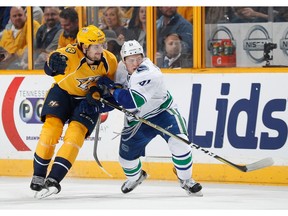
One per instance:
[(52, 180), (189, 183), (38, 180), (129, 184)]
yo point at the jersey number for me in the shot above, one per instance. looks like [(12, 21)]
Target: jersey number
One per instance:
[(145, 82), (70, 50)]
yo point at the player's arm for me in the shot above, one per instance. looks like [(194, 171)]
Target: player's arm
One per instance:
[(93, 96), (122, 96)]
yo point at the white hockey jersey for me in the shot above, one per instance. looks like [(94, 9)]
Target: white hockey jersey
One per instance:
[(147, 88)]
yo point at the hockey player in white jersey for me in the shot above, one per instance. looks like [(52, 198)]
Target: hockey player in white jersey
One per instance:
[(144, 93)]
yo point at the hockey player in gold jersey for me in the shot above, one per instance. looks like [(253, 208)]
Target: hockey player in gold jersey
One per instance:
[(75, 69)]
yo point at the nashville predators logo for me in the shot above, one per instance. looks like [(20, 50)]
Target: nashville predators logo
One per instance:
[(93, 67), (53, 104), (86, 82)]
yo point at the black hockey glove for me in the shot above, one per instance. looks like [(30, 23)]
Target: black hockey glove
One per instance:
[(105, 81), (57, 64), (93, 96), (87, 108)]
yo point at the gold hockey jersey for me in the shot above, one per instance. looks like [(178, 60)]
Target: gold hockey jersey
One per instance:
[(79, 75)]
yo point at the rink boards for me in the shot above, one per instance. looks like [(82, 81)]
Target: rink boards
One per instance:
[(240, 116)]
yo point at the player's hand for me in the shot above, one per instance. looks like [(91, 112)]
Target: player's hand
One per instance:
[(57, 63), (105, 81), (87, 108), (93, 96)]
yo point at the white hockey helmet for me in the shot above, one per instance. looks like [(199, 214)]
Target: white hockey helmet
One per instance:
[(131, 47)]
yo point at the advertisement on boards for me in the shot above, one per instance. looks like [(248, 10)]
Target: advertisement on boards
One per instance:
[(242, 117), (246, 44)]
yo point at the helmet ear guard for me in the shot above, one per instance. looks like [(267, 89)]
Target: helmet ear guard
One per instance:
[(131, 47), (90, 35)]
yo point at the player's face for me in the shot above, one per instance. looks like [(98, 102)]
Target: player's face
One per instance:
[(132, 62), (94, 52)]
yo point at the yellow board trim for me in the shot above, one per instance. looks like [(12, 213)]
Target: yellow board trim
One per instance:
[(275, 175)]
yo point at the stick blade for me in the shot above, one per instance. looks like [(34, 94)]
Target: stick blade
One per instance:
[(105, 171), (266, 162)]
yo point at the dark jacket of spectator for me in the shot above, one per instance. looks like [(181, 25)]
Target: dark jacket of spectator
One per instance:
[(177, 25), (44, 38)]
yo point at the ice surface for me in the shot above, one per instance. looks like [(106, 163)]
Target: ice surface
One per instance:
[(160, 196)]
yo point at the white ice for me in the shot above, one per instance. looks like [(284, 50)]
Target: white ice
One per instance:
[(105, 195)]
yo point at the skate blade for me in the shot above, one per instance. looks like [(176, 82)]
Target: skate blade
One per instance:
[(197, 194), (46, 192)]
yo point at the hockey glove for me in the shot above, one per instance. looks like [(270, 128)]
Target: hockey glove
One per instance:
[(94, 95), (57, 63), (105, 81), (87, 108)]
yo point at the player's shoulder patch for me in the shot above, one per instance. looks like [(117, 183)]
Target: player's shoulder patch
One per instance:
[(71, 50), (141, 68)]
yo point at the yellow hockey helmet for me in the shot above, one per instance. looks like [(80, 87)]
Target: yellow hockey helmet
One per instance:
[(90, 35)]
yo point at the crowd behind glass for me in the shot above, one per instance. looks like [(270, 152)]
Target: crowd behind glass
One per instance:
[(55, 27)]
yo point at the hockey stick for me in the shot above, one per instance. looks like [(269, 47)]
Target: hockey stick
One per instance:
[(244, 168), (96, 138)]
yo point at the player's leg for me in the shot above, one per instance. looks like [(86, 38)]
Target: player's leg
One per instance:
[(182, 160), (181, 152), (81, 126), (132, 146), (49, 137), (55, 112), (65, 157), (134, 173)]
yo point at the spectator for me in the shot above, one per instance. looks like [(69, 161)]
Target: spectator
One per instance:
[(186, 13), (281, 14), (38, 14), (112, 20), (47, 36), (113, 44), (69, 22), (4, 18), (214, 15), (171, 22), (137, 26), (14, 41), (173, 56), (250, 14), (127, 15)]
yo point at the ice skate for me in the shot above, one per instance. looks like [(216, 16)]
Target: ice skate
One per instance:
[(191, 187), (37, 183), (51, 186), (128, 186)]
